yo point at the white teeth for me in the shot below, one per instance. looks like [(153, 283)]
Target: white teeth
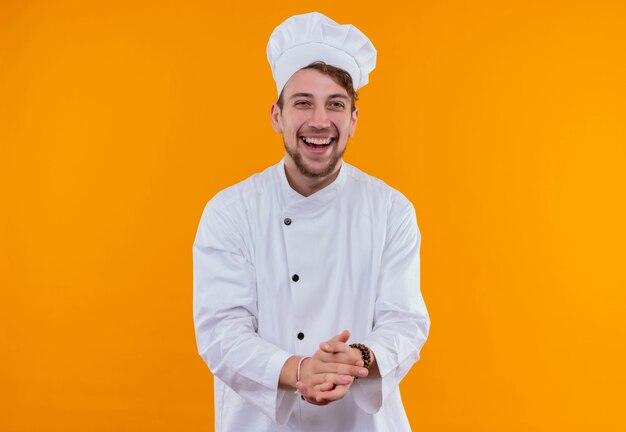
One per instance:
[(317, 141)]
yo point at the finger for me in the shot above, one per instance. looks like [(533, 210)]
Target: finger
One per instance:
[(351, 355), (320, 367), (336, 379), (315, 402), (345, 369), (309, 394), (324, 387), (333, 346), (332, 395), (347, 358), (327, 347), (343, 336)]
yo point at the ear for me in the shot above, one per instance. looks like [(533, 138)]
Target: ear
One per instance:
[(353, 119), (275, 117)]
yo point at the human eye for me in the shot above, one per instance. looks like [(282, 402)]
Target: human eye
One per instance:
[(302, 103), (337, 105)]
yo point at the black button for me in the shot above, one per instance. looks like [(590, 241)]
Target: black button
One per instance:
[(295, 278), (300, 335), (287, 221)]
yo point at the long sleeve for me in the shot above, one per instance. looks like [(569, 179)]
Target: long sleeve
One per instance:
[(401, 321), (225, 317)]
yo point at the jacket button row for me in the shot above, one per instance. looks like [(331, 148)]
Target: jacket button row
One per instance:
[(300, 335), (287, 221), (295, 278)]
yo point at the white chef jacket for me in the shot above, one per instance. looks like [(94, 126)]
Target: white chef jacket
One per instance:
[(276, 273)]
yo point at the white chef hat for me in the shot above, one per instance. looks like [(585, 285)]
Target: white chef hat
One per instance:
[(303, 39)]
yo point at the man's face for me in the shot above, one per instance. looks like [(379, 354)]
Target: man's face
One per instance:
[(316, 121)]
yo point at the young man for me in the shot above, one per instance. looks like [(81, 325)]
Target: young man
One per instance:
[(293, 262)]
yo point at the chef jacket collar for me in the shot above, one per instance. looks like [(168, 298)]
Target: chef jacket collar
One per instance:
[(321, 197)]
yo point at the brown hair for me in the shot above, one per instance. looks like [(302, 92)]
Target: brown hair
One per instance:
[(338, 75)]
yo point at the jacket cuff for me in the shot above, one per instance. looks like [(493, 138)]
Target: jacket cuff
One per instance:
[(281, 404), (369, 392)]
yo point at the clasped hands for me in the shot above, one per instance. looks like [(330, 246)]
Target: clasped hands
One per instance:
[(327, 375)]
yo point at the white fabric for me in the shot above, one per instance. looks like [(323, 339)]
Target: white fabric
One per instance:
[(303, 39), (355, 247)]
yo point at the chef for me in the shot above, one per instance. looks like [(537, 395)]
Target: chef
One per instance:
[(307, 302)]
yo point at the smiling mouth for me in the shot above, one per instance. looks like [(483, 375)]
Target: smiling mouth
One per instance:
[(317, 142)]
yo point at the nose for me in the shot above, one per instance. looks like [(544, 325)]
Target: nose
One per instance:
[(319, 118)]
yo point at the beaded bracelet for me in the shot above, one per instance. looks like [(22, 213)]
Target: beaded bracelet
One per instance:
[(365, 354)]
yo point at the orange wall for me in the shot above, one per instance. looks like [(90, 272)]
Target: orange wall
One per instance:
[(504, 122)]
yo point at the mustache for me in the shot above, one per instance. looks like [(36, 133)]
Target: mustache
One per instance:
[(331, 129)]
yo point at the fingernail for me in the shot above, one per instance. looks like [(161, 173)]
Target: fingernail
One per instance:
[(363, 372), (326, 346)]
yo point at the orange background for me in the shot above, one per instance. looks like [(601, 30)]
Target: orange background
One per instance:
[(503, 122)]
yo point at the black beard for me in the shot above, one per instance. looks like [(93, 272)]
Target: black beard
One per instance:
[(297, 159)]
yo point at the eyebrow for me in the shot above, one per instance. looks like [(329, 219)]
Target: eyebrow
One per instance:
[(338, 95), (310, 96), (297, 95)]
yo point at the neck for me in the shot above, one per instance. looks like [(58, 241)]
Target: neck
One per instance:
[(306, 185)]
